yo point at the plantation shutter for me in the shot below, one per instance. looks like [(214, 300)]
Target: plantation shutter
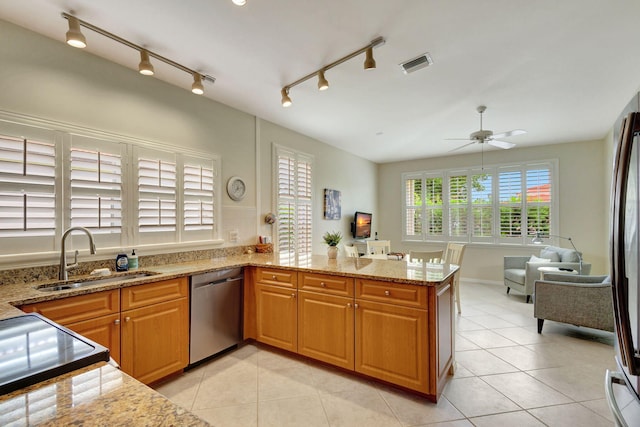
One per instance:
[(458, 199), (482, 207), (157, 204), (294, 191), (27, 194), (96, 190), (539, 199), (199, 196), (510, 188), (413, 212)]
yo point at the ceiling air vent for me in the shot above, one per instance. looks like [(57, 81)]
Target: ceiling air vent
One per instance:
[(417, 63)]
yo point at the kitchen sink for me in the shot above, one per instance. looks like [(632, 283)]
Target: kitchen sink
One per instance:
[(81, 283)]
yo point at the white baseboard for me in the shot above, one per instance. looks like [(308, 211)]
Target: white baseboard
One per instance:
[(470, 281)]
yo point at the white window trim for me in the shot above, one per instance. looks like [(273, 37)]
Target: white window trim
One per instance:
[(494, 169)]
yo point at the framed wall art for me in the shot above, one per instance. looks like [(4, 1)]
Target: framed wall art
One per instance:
[(332, 208)]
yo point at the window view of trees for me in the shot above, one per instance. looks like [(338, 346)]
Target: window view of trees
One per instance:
[(502, 204)]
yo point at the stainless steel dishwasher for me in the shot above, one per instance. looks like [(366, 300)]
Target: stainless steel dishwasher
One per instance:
[(216, 312)]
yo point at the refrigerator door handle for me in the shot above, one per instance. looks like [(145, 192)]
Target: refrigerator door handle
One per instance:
[(610, 378)]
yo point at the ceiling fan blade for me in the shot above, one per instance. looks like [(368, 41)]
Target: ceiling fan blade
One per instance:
[(501, 144), (510, 133), (461, 147)]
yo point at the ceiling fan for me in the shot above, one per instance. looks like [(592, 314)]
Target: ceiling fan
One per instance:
[(486, 136)]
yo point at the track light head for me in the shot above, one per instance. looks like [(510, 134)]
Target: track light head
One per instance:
[(75, 37), (197, 87), (323, 84), (369, 62), (239, 2), (286, 101), (145, 66)]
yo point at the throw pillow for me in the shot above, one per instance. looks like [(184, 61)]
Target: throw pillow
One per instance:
[(551, 253), (536, 259)]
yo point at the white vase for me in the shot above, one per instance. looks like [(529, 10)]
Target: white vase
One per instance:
[(332, 252)]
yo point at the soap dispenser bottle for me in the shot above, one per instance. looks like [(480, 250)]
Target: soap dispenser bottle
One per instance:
[(133, 260)]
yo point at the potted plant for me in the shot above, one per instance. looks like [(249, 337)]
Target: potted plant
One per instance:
[(332, 239)]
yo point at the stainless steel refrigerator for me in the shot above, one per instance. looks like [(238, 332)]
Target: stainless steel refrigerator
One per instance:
[(623, 386)]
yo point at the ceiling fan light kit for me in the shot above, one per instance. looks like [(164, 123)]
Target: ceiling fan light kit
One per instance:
[(323, 84), (75, 38)]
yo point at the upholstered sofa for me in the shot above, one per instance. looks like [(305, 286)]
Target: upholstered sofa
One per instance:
[(576, 299), (521, 272)]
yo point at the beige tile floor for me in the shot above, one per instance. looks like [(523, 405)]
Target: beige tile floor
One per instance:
[(507, 375)]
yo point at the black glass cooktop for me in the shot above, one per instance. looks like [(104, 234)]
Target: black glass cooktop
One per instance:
[(34, 349)]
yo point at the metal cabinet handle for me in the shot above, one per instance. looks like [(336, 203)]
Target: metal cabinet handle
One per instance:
[(116, 322), (293, 295), (356, 305), (323, 284), (274, 277), (349, 305), (126, 319), (387, 293)]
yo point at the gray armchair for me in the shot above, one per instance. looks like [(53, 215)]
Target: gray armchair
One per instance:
[(575, 299), (520, 274)]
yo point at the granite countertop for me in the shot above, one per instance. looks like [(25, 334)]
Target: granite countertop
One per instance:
[(97, 395), (101, 393), (419, 274)]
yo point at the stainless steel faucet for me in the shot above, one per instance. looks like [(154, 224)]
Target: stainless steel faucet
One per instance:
[(64, 268)]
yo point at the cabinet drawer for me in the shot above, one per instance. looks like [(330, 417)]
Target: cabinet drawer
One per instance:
[(392, 293), (153, 293), (78, 308), (336, 285), (272, 276)]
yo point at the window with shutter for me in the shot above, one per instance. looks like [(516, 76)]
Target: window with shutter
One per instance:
[(198, 197), (504, 204), (458, 200), (96, 190), (27, 194), (294, 190)]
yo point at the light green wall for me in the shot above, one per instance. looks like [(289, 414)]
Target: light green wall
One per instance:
[(583, 197)]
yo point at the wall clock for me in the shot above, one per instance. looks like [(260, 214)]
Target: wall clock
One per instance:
[(236, 188)]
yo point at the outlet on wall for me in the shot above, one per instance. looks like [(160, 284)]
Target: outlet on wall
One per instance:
[(233, 236)]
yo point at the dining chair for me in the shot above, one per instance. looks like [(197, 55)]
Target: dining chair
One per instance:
[(351, 251), (453, 255), (429, 256), (378, 247)]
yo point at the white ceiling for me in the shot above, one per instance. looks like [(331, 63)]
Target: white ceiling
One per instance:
[(562, 70)]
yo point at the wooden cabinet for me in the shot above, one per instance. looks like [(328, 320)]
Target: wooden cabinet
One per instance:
[(155, 329), (145, 327), (276, 316), (391, 333), (95, 316), (325, 318)]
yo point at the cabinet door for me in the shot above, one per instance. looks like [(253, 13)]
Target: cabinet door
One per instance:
[(155, 340), (325, 328), (391, 344), (104, 330), (276, 316)]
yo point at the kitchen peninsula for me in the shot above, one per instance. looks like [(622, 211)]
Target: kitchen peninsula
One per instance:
[(417, 297)]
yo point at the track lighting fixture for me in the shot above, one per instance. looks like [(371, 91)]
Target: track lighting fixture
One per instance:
[(197, 87), (369, 62), (239, 2), (323, 84), (75, 38), (286, 101), (145, 66)]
